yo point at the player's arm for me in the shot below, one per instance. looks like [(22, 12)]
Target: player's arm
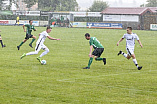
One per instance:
[(24, 28), (119, 41), (140, 43), (53, 38), (34, 29), (91, 48)]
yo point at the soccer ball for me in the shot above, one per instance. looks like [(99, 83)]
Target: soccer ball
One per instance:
[(43, 62)]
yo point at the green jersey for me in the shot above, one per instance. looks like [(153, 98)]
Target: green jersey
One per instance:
[(29, 28), (95, 43)]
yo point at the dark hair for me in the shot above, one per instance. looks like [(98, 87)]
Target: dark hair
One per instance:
[(130, 28), (48, 27), (30, 21), (87, 35)]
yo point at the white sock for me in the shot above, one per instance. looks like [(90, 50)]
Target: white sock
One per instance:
[(135, 62), (31, 53), (45, 52), (125, 55)]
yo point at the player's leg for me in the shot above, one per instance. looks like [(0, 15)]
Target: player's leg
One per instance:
[(30, 53), (37, 49), (26, 38), (99, 51), (98, 58), (45, 52), (131, 53), (135, 62), (18, 47), (32, 36), (89, 62), (121, 52), (2, 42)]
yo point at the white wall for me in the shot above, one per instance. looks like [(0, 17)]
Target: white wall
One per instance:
[(129, 18)]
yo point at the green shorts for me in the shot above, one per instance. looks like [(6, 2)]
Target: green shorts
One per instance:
[(98, 52), (28, 36)]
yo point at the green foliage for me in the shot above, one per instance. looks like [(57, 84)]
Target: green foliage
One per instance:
[(30, 3), (98, 6), (9, 6), (1, 4), (63, 81), (57, 5), (150, 3)]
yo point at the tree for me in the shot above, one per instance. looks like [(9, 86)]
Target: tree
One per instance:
[(150, 3), (98, 6), (30, 3), (53, 5), (11, 3), (8, 7), (57, 5), (1, 4)]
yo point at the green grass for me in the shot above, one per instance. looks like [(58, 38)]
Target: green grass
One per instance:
[(63, 81)]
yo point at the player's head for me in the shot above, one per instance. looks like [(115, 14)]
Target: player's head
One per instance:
[(87, 36), (129, 30), (30, 21), (48, 29)]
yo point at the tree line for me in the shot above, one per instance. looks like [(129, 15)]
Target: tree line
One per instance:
[(65, 5)]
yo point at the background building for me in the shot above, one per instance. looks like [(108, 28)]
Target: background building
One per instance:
[(136, 17)]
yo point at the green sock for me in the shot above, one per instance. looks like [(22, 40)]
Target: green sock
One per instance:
[(21, 43), (90, 61), (99, 59), (32, 41)]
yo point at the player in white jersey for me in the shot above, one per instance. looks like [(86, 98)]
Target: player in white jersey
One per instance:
[(40, 44), (130, 43)]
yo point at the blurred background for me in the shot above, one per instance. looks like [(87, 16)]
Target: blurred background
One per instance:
[(116, 14)]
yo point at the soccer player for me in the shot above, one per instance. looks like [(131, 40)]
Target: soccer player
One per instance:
[(98, 50), (17, 20), (30, 27), (40, 44), (130, 43), (1, 41)]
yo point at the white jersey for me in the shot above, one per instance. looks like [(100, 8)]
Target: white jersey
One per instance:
[(130, 39), (42, 37)]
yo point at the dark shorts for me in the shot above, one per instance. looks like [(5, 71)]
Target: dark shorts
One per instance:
[(17, 21), (98, 52), (28, 36)]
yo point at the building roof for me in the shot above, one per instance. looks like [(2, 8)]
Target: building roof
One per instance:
[(153, 9), (128, 10)]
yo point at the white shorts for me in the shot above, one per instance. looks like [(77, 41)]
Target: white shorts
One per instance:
[(39, 47), (130, 51)]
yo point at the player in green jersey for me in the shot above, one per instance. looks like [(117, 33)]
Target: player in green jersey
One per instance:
[(98, 50), (30, 27)]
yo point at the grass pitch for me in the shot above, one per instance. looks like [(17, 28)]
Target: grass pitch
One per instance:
[(63, 81)]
